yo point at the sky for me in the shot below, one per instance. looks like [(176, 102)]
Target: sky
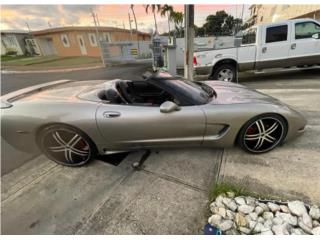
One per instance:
[(44, 16)]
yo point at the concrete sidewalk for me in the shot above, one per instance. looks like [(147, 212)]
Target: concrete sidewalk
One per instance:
[(168, 196), (291, 171)]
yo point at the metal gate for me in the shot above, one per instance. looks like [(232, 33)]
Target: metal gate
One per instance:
[(125, 51)]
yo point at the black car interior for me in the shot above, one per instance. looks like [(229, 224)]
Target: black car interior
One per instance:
[(136, 93), (110, 95)]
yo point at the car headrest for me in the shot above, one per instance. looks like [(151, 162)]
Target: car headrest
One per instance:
[(110, 95), (113, 96)]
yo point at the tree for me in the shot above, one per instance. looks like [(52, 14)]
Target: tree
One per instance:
[(154, 8), (135, 21), (199, 31), (221, 24), (177, 18), (167, 10)]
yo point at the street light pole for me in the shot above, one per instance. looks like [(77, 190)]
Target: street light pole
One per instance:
[(94, 16), (189, 42), (130, 26)]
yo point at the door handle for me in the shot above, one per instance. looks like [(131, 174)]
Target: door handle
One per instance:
[(110, 114), (293, 46), (264, 49)]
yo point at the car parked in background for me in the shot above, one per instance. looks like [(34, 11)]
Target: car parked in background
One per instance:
[(275, 45)]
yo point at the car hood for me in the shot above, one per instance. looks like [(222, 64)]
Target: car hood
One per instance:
[(231, 93)]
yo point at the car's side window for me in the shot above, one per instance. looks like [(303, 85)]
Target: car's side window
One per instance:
[(249, 37), (277, 34), (306, 29)]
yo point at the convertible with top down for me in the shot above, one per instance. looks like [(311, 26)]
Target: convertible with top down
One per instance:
[(73, 121)]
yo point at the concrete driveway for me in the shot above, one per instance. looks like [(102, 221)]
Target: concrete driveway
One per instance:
[(169, 195)]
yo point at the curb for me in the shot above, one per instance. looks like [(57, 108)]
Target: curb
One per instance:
[(139, 61), (50, 70)]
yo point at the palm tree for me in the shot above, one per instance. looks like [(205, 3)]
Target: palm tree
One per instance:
[(135, 21), (177, 18), (167, 10), (154, 8)]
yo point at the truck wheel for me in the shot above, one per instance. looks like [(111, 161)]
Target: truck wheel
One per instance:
[(225, 72)]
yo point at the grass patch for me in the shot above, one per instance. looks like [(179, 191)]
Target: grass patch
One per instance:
[(238, 189), (68, 61), (5, 58)]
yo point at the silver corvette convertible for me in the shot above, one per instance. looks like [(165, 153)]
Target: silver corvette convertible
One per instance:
[(72, 121)]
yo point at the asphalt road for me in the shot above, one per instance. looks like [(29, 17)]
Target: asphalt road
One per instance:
[(11, 82), (291, 78)]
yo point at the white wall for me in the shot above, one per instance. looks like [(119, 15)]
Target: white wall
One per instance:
[(117, 51)]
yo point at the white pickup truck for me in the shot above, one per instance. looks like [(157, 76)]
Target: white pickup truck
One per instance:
[(277, 45)]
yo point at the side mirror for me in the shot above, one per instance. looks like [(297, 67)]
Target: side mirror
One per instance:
[(316, 36), (168, 107)]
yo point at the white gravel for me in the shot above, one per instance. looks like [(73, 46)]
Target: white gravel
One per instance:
[(247, 215)]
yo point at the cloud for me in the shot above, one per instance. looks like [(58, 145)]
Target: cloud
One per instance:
[(38, 16), (41, 16)]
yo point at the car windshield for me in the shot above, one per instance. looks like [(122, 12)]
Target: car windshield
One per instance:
[(198, 92)]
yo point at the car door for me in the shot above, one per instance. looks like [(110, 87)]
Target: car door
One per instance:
[(129, 127), (274, 48), (247, 52), (304, 49)]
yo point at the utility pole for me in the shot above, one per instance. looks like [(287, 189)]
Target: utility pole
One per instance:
[(130, 26), (188, 41), (98, 22), (98, 37), (28, 27)]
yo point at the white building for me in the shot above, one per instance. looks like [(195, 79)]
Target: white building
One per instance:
[(13, 41), (269, 13)]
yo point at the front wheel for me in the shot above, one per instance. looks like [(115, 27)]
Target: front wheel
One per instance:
[(263, 133), (66, 145), (225, 72)]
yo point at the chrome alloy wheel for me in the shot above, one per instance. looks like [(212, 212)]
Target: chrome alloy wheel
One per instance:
[(225, 75), (66, 147), (263, 134)]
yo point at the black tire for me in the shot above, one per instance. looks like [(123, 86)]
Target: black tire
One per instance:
[(66, 145), (217, 72), (255, 138)]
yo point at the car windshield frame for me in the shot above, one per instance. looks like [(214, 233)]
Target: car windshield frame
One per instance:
[(188, 93)]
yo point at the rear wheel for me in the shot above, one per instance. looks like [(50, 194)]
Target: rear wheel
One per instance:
[(225, 72), (263, 133), (66, 145)]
